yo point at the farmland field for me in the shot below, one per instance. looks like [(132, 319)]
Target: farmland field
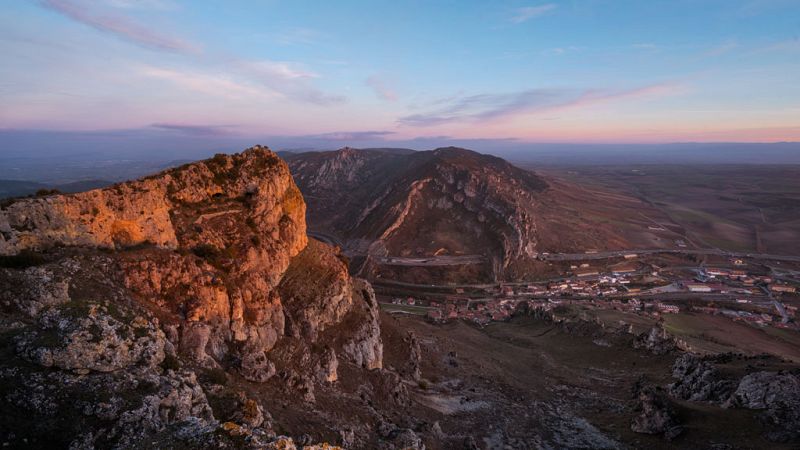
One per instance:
[(741, 208)]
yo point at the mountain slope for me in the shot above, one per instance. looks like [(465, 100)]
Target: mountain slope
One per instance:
[(453, 202)]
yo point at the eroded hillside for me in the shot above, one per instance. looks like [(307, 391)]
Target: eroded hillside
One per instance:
[(457, 203)]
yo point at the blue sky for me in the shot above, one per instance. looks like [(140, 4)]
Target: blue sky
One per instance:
[(557, 71)]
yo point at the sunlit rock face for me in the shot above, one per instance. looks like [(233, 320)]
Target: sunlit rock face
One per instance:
[(204, 267)]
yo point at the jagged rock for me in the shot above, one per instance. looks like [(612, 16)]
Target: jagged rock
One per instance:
[(656, 415), (327, 367), (407, 440), (85, 336), (33, 290), (256, 367), (699, 380), (210, 248), (656, 341), (412, 367), (395, 437), (365, 348), (778, 394), (314, 304), (252, 413)]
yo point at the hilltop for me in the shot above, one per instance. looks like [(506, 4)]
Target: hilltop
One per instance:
[(456, 202)]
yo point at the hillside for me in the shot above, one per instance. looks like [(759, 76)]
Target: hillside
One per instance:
[(452, 202)]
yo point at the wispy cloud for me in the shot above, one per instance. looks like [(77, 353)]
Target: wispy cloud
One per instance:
[(485, 107), (212, 84), (122, 26), (194, 130), (351, 135), (245, 80), (142, 4), (527, 13), (225, 75), (381, 88), (282, 70), (289, 79)]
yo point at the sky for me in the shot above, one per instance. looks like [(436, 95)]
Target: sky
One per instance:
[(572, 71)]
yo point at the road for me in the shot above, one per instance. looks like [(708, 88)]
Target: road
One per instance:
[(778, 305), (429, 260), (326, 238), (620, 253), (477, 259)]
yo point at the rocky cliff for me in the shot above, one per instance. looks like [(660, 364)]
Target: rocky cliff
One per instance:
[(448, 201), (451, 202), (123, 307)]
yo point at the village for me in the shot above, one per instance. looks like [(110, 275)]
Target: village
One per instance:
[(735, 289)]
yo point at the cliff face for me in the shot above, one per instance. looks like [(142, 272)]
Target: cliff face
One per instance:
[(208, 264), (450, 200)]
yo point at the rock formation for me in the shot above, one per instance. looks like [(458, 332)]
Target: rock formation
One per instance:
[(656, 414), (698, 380), (128, 293), (483, 203), (450, 202), (777, 394)]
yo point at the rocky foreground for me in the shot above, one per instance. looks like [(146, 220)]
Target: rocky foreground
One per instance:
[(126, 310)]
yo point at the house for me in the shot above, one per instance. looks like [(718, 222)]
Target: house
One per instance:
[(713, 272), (697, 287), (621, 270), (670, 309), (587, 273), (782, 288)]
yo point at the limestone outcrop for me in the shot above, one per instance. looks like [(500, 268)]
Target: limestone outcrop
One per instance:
[(149, 292)]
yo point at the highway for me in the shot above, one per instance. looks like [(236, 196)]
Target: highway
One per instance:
[(477, 259), (638, 252), (430, 260)]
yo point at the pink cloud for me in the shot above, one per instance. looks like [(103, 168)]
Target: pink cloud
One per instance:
[(489, 107), (122, 27)]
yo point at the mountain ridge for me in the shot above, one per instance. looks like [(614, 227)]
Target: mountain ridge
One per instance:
[(188, 268)]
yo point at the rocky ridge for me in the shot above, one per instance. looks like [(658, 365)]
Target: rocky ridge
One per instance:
[(386, 197), (139, 298)]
